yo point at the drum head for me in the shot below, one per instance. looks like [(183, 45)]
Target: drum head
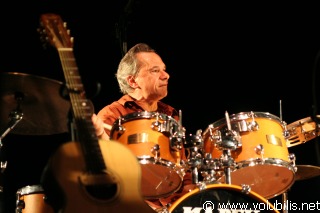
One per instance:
[(221, 198)]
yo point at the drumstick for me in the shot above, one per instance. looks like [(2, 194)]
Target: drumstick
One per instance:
[(107, 126), (228, 120)]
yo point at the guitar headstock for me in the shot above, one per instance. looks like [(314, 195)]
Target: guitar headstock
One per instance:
[(54, 30)]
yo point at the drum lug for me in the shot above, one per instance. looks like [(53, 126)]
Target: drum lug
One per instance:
[(245, 188), (259, 149), (120, 129), (156, 151), (292, 159), (160, 127), (20, 205), (156, 125), (178, 139), (253, 126), (202, 186), (214, 136), (286, 132)]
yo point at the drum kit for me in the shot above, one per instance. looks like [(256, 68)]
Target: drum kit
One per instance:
[(240, 159)]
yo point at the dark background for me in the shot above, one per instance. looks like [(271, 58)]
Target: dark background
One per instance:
[(234, 57)]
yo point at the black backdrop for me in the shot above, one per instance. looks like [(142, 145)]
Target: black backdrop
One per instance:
[(221, 57)]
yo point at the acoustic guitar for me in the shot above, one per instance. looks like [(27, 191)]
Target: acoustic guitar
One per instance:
[(87, 175)]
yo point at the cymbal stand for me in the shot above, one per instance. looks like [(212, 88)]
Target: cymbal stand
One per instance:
[(15, 117)]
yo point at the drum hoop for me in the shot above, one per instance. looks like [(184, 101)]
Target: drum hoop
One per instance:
[(145, 158), (237, 188), (243, 116), (145, 114), (266, 161), (30, 189)]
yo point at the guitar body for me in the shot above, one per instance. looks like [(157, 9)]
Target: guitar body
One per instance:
[(68, 166)]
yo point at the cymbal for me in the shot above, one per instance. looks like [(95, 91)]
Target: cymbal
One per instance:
[(306, 172), (45, 111), (302, 131)]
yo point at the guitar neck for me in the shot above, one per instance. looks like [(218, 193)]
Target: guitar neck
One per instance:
[(82, 112)]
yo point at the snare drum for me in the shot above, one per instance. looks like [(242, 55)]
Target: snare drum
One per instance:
[(31, 199), (221, 198), (262, 161), (149, 135)]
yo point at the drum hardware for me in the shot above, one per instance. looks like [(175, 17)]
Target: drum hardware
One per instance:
[(245, 188), (292, 160), (155, 150), (194, 163), (228, 163), (120, 128), (230, 142), (15, 117), (193, 146), (210, 170), (178, 138)]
